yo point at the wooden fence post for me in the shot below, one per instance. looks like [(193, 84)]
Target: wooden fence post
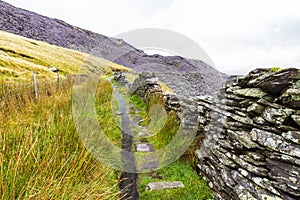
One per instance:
[(58, 81), (35, 87), (3, 93), (70, 79)]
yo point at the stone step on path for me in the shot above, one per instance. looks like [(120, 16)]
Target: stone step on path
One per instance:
[(149, 160), (145, 148), (150, 157), (150, 163), (164, 185)]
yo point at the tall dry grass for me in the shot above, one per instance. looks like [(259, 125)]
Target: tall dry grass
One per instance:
[(41, 155)]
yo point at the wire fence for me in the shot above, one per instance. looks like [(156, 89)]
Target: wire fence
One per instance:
[(19, 94)]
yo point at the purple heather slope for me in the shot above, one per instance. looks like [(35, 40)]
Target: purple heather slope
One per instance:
[(184, 76)]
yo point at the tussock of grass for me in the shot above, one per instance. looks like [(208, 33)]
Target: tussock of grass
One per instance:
[(20, 57), (42, 156)]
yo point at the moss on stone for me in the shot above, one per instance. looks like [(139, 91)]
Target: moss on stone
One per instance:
[(275, 69)]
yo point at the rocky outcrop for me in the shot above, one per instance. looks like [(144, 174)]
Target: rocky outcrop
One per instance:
[(251, 148)]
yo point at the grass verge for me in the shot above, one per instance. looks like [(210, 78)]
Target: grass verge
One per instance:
[(42, 156), (195, 186), (106, 105), (181, 170)]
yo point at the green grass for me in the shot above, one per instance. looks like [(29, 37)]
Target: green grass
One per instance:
[(165, 135), (166, 126), (195, 186), (107, 119), (20, 57), (180, 170), (42, 156), (141, 106)]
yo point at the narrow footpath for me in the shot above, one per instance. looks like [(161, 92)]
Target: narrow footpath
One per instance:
[(133, 141), (128, 180), (138, 154)]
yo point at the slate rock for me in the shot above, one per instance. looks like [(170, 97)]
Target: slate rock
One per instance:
[(243, 137), (164, 185), (277, 116), (291, 97), (250, 92), (255, 109), (275, 142), (119, 113), (293, 136), (276, 82), (296, 118), (144, 147)]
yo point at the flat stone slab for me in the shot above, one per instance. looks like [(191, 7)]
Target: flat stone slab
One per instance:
[(151, 157), (149, 165), (164, 185), (119, 113), (137, 141), (143, 134), (140, 121), (145, 147)]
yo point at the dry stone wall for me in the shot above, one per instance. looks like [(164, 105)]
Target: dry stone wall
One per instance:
[(252, 145), (251, 148)]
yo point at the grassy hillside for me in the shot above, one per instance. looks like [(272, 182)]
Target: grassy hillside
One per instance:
[(20, 57), (41, 154)]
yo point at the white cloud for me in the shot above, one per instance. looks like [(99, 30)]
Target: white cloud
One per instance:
[(238, 35)]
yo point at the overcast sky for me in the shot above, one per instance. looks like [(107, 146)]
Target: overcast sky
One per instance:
[(238, 35)]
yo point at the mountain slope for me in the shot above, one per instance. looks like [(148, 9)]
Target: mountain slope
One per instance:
[(184, 76), (20, 57), (56, 32)]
